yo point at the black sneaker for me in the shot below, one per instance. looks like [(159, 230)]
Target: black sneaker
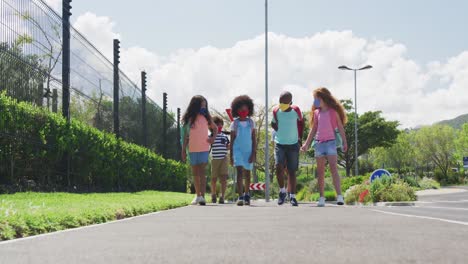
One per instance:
[(240, 201), (221, 200), (294, 202), (247, 199), (281, 198), (213, 198)]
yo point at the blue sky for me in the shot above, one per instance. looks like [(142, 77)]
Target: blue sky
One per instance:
[(430, 29)]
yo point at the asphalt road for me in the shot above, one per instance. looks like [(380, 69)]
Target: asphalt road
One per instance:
[(262, 233)]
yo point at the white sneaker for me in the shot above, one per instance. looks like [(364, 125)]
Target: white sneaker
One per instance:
[(195, 200), (201, 200), (321, 202), (340, 200)]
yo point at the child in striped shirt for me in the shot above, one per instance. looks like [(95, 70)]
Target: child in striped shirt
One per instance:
[(219, 162)]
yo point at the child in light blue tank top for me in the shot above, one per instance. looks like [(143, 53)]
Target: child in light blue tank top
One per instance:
[(243, 145)]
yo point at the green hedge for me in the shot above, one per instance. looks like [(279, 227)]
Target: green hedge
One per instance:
[(36, 145)]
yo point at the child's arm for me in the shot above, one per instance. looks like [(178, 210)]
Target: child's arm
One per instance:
[(342, 132), (233, 137), (184, 148), (310, 137), (253, 156), (214, 128)]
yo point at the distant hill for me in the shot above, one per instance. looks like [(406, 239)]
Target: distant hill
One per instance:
[(456, 122)]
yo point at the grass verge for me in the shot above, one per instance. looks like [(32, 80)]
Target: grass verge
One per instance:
[(27, 214)]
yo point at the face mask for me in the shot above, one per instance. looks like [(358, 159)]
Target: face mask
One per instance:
[(284, 107), (220, 129), (317, 102), (203, 111), (243, 114)]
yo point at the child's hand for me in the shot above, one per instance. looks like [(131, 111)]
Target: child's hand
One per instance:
[(345, 147), (305, 148), (211, 140), (184, 156)]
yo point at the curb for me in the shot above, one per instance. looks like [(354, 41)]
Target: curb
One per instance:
[(384, 204)]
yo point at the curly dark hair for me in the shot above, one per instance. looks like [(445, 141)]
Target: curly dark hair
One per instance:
[(194, 109), (240, 101), (218, 120)]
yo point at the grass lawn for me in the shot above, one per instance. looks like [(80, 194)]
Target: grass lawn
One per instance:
[(27, 214)]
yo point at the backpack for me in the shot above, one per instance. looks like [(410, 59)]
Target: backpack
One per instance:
[(300, 122)]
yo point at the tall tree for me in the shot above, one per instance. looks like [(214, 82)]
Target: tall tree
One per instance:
[(373, 131), (437, 144)]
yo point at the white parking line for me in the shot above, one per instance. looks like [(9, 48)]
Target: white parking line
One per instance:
[(440, 207), (423, 217), (441, 201)]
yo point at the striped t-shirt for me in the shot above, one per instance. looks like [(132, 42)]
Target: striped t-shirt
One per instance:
[(219, 148)]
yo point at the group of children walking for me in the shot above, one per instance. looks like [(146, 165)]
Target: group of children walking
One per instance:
[(203, 133)]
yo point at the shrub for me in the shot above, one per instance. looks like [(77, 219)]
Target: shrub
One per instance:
[(346, 183), (99, 161), (351, 195), (411, 181), (428, 183)]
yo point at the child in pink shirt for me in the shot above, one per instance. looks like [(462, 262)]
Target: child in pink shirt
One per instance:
[(197, 123), (327, 120)]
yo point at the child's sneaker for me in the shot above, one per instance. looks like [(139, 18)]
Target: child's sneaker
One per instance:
[(247, 199), (221, 200), (213, 198), (321, 202), (340, 200), (281, 198), (294, 202), (195, 200), (240, 201), (202, 201)]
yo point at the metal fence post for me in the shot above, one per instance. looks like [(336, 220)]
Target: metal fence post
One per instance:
[(164, 124), (116, 87), (179, 147), (143, 108)]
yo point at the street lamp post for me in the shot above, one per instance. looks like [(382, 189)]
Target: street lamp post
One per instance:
[(267, 155), (343, 67)]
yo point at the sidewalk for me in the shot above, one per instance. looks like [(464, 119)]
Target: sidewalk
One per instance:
[(440, 191)]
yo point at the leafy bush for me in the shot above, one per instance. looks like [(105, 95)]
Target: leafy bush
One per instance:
[(351, 195), (384, 189), (346, 183), (40, 142), (411, 181), (428, 183)]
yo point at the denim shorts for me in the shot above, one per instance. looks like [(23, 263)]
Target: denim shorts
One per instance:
[(326, 148), (287, 155), (198, 158)]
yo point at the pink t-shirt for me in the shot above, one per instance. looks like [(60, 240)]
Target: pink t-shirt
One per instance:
[(198, 135), (326, 124)]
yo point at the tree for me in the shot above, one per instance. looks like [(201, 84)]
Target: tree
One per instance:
[(398, 155), (461, 142), (437, 144), (373, 131)]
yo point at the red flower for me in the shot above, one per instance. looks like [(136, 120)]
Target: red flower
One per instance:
[(363, 195)]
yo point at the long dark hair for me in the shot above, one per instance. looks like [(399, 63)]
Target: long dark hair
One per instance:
[(194, 109)]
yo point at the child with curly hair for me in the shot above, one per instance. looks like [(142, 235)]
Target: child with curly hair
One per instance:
[(243, 145)]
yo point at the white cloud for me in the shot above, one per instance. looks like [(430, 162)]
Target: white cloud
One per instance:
[(404, 90), (55, 4)]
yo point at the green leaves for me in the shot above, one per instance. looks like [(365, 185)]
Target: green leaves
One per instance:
[(98, 161)]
